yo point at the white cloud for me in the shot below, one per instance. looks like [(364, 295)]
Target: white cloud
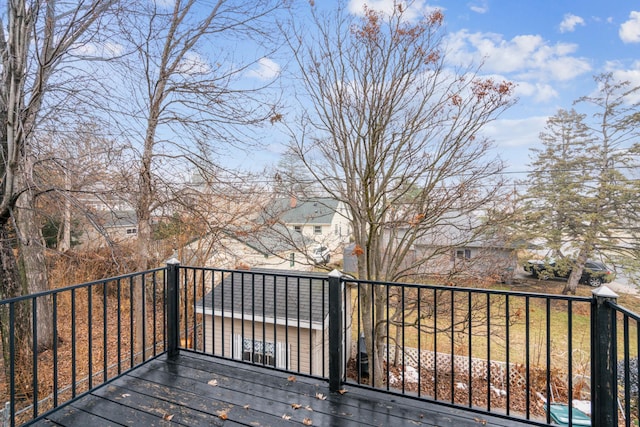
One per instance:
[(515, 132), (569, 23), (416, 9), (266, 70), (479, 7), (631, 75), (630, 30), (525, 56), (540, 92), (193, 64), (102, 50)]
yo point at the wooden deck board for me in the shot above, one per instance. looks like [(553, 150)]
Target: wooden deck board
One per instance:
[(168, 392)]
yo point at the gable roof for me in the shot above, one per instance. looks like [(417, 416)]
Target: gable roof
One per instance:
[(271, 240), (272, 296), (314, 211)]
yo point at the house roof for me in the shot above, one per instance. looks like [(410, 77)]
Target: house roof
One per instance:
[(271, 294), (314, 211), (270, 240), (116, 218)]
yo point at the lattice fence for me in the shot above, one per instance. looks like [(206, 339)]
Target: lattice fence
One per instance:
[(441, 363)]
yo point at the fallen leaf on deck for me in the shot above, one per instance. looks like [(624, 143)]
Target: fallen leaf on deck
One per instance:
[(126, 395), (213, 383), (167, 417), (292, 378), (481, 421), (246, 406), (307, 421), (342, 391), (296, 405), (308, 408), (286, 416), (321, 396), (222, 415)]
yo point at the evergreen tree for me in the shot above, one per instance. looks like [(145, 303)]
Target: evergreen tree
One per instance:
[(581, 198)]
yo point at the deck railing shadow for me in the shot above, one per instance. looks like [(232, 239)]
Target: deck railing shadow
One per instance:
[(511, 354)]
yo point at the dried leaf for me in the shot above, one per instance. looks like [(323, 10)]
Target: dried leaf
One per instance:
[(222, 415), (292, 378), (342, 391), (126, 395), (286, 416), (167, 417), (481, 421), (246, 406), (213, 383), (308, 408), (321, 396), (307, 421), (296, 405)]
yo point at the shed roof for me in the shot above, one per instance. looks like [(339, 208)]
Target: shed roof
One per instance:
[(271, 294)]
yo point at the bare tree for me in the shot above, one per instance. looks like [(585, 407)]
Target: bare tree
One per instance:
[(185, 102), (36, 39), (396, 135)]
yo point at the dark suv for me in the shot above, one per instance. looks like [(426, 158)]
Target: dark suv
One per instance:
[(595, 273)]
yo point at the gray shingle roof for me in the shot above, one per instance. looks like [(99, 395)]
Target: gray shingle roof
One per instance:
[(271, 240), (307, 211), (268, 293)]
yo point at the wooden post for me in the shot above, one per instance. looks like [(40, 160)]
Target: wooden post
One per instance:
[(335, 331), (604, 396), (173, 323)]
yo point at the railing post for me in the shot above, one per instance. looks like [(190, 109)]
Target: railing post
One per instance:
[(335, 330), (173, 323), (604, 396)]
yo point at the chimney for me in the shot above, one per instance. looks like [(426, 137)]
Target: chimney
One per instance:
[(293, 202)]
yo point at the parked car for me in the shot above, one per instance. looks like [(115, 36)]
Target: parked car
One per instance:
[(595, 273), (320, 255)]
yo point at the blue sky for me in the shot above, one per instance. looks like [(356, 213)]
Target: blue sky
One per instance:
[(550, 49)]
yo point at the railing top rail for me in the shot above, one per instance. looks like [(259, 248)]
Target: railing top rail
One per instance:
[(614, 305), (78, 286), (263, 272), (468, 289)]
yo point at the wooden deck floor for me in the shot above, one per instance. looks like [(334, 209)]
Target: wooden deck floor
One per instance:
[(195, 390)]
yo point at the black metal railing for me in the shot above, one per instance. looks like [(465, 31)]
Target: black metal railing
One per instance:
[(262, 317), (627, 365), (531, 357), (93, 337), (540, 358)]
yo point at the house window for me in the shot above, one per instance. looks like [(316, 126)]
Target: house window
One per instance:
[(292, 259), (131, 231), (258, 352), (297, 228), (462, 254), (317, 229)]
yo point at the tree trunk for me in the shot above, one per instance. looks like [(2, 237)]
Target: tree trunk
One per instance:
[(11, 286), (33, 266), (576, 271)]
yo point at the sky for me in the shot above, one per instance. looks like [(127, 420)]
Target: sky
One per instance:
[(550, 49)]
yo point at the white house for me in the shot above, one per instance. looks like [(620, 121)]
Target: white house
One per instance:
[(322, 219)]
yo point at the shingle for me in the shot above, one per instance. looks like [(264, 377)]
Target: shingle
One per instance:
[(272, 294)]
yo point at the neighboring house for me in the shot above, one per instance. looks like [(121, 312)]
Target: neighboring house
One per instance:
[(260, 246), (456, 247), (108, 226), (270, 317), (322, 219), (453, 247)]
